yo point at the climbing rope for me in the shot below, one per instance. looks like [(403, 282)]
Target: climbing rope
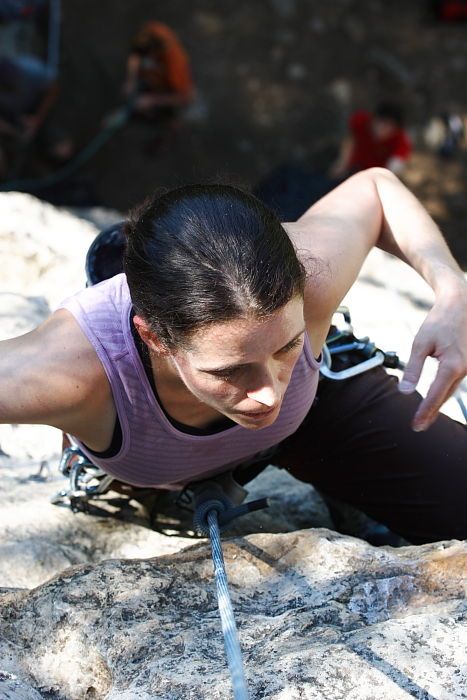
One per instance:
[(214, 510), (229, 628), (114, 124)]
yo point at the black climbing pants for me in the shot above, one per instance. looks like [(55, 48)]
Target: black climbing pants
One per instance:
[(356, 445)]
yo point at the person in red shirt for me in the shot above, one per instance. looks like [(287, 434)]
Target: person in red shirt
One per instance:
[(450, 10), (374, 140)]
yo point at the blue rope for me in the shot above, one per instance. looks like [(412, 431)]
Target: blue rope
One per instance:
[(118, 120), (462, 405), (115, 121), (229, 628)]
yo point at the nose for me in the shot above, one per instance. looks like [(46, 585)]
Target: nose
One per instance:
[(266, 391)]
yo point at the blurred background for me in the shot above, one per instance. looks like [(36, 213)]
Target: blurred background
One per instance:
[(101, 103)]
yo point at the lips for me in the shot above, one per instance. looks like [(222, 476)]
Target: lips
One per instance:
[(257, 414)]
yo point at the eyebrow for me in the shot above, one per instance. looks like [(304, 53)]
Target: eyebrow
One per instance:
[(227, 368)]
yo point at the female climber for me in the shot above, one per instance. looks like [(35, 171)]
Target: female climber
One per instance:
[(204, 356)]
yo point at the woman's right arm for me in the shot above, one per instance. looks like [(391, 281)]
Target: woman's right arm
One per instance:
[(53, 376)]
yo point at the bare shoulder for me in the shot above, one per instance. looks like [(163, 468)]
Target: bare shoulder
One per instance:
[(51, 375)]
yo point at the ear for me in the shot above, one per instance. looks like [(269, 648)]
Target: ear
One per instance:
[(148, 336)]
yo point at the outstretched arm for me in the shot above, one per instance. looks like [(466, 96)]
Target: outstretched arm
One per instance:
[(53, 376), (373, 208)]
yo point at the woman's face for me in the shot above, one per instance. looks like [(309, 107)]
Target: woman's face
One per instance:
[(242, 368)]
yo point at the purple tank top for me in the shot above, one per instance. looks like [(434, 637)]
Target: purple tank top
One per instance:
[(154, 453)]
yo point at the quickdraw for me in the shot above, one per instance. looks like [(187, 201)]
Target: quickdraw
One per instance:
[(86, 481)]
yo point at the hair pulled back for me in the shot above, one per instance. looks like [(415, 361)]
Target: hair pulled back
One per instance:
[(202, 254)]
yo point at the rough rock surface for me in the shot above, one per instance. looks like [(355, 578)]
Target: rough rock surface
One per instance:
[(320, 615)]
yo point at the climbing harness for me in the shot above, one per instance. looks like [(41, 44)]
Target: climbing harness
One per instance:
[(86, 481), (345, 355)]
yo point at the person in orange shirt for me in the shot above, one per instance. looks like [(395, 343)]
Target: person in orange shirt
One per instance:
[(158, 76)]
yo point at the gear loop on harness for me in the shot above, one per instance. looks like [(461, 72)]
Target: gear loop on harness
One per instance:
[(345, 355)]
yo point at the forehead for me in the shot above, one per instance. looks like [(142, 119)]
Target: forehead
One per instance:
[(243, 339)]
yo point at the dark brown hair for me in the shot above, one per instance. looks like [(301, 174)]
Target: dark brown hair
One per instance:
[(202, 254)]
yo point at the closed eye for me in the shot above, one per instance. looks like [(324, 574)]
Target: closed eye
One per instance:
[(293, 344), (230, 372), (226, 373)]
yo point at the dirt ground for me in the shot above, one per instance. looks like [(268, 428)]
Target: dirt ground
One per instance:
[(276, 82)]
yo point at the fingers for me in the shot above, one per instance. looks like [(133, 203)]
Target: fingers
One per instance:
[(446, 382), (413, 369)]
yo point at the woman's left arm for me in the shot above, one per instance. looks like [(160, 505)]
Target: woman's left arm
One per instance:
[(374, 208)]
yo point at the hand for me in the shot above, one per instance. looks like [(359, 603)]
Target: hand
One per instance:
[(443, 335)]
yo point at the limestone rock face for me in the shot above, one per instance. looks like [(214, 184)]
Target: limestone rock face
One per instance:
[(320, 615), (43, 248)]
